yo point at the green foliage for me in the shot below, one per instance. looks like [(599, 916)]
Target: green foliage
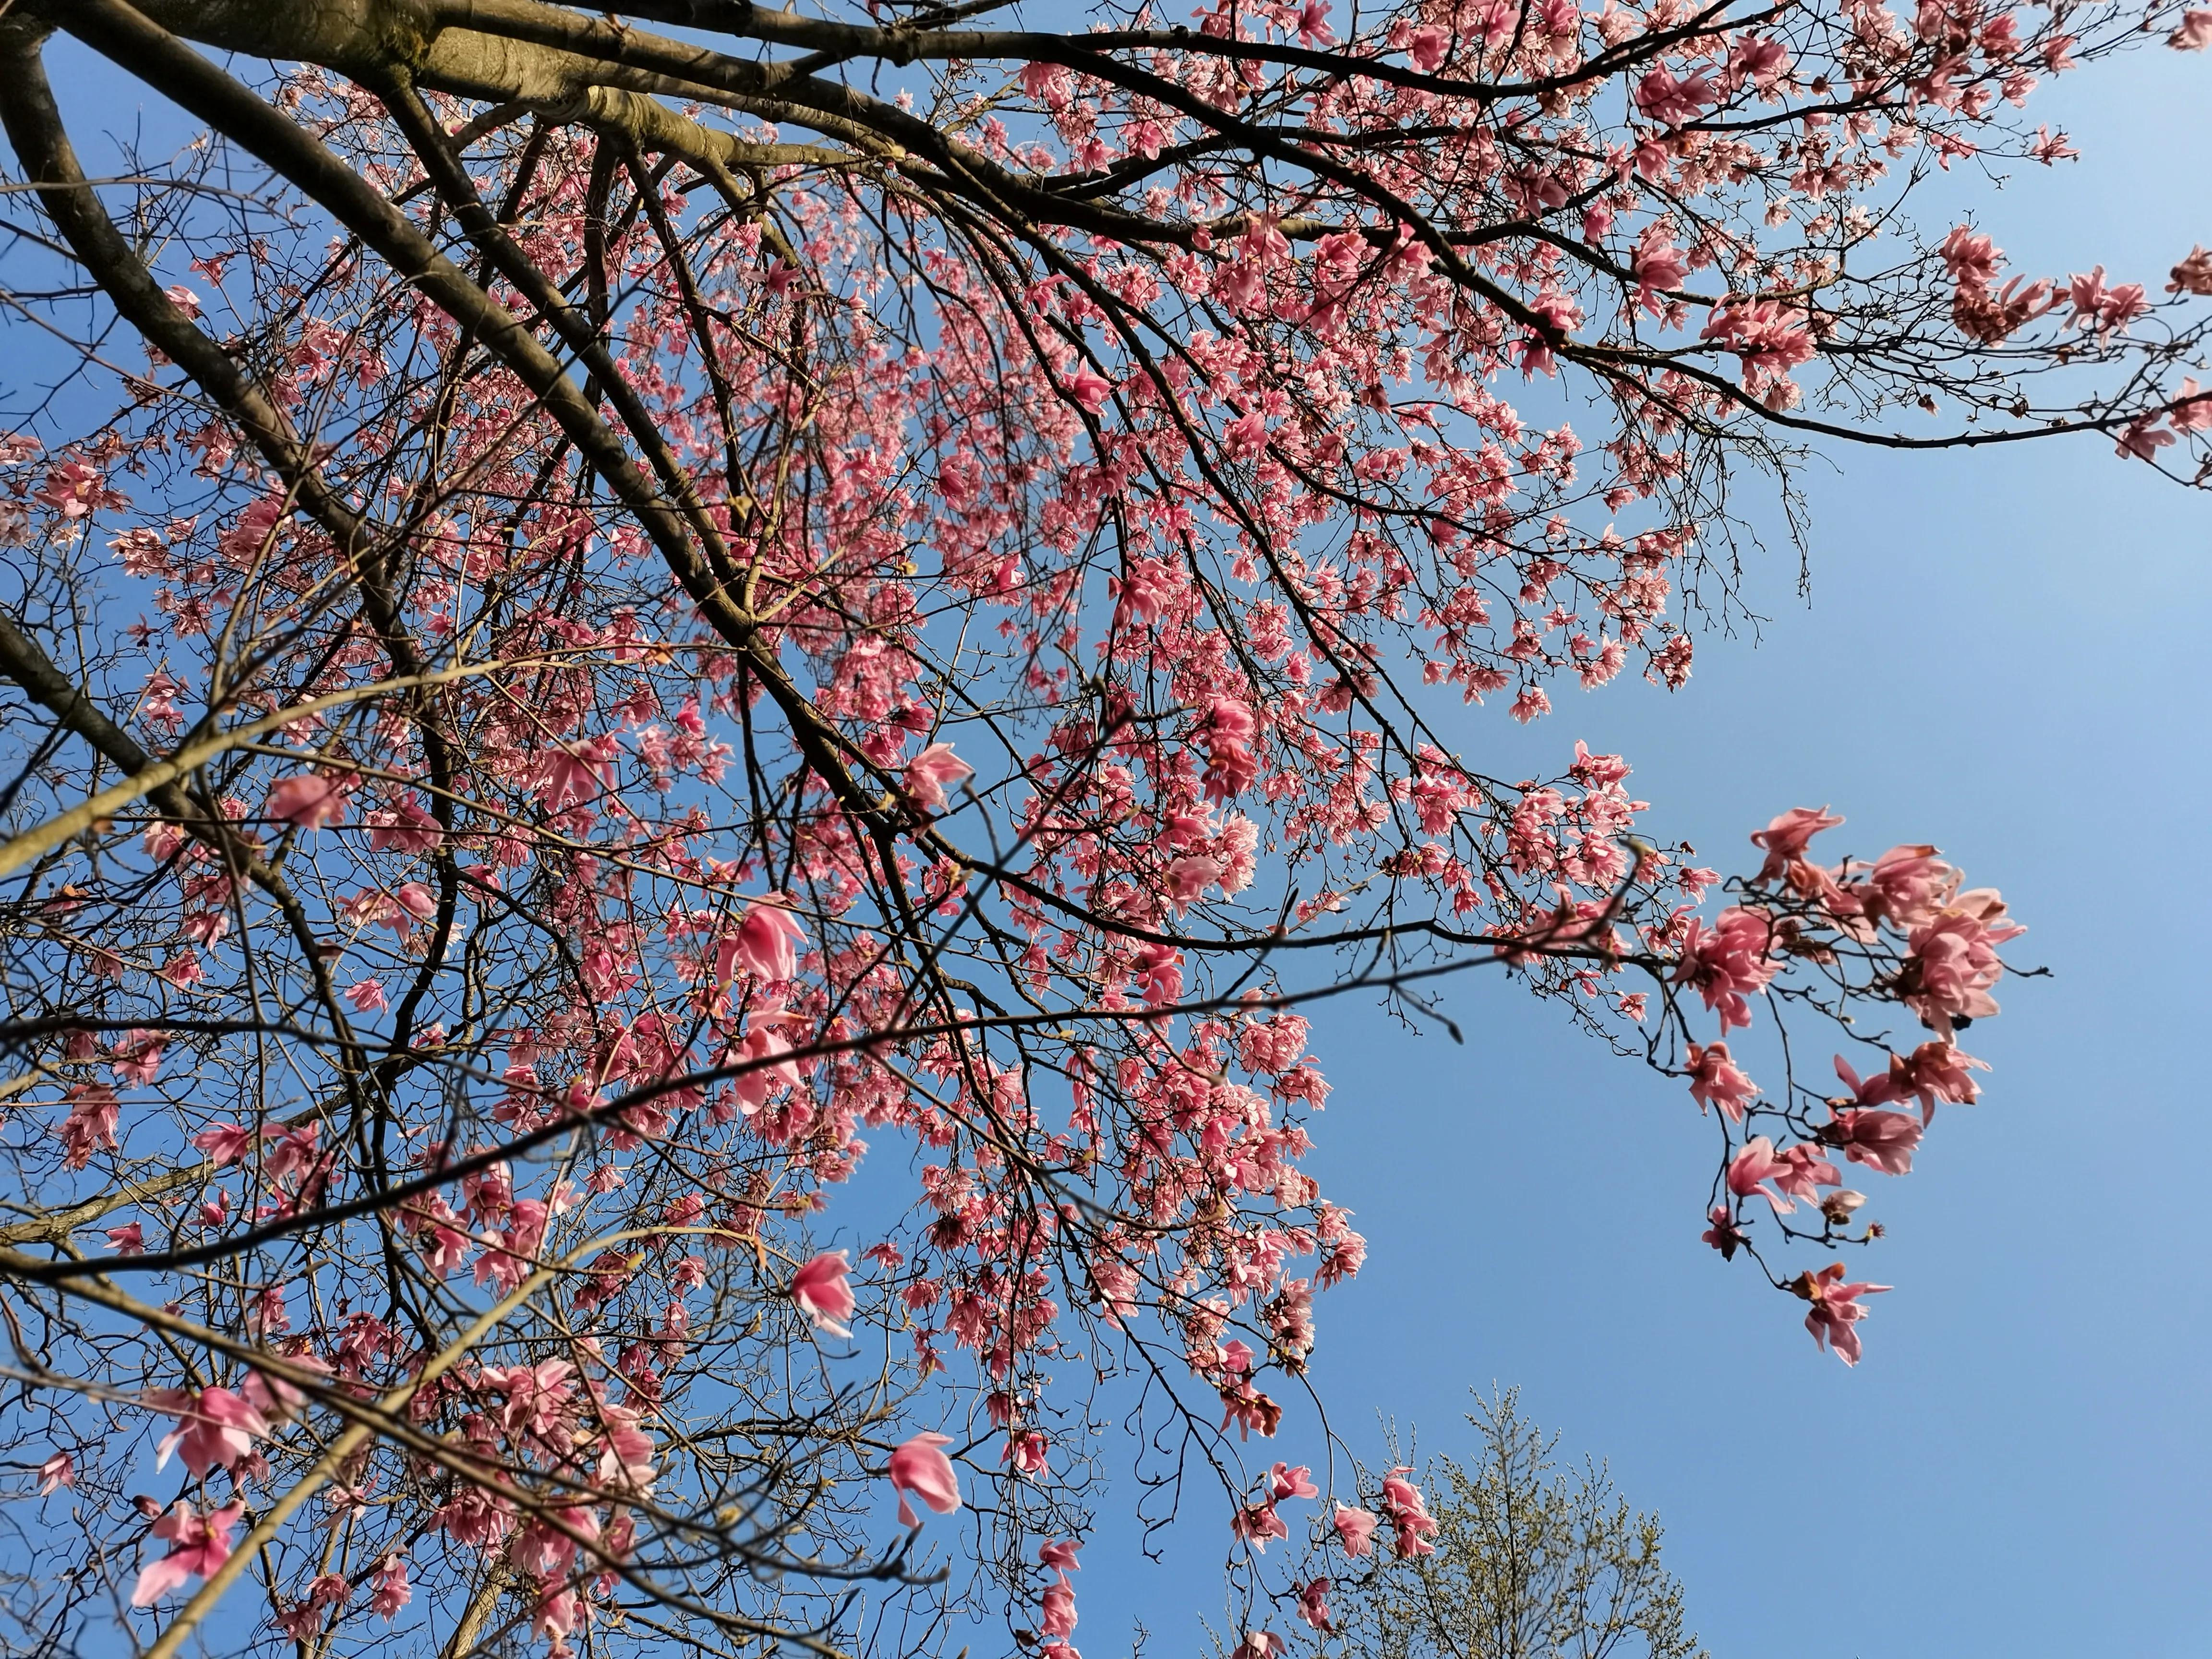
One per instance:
[(1533, 1561)]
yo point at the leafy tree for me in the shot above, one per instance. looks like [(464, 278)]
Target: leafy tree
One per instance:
[(1532, 1560), (609, 619)]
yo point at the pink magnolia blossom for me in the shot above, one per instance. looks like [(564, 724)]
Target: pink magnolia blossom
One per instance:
[(310, 801), (225, 1143), (766, 944), (57, 1471), (1058, 1609), (1954, 962), (1258, 1644), (2194, 34), (1356, 1527), (1723, 1234), (931, 773), (129, 1239), (1882, 1141), (919, 1469), (1286, 1482), (1402, 1506), (1833, 1319), (1059, 1555), (215, 1428), (820, 1290), (198, 1544), (1313, 1603), (1785, 839), (1256, 1523), (1804, 1172), (1934, 1072), (392, 1591), (1730, 962), (1753, 1166), (1715, 1081), (1878, 1089)]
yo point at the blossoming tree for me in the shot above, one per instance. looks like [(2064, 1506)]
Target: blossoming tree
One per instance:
[(600, 619)]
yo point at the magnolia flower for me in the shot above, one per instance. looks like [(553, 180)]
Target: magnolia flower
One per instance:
[(1886, 1141), (1059, 1608), (1836, 1311), (766, 944), (392, 1590), (1402, 1505), (215, 1428), (931, 773), (1356, 1527), (919, 1469), (1313, 1603), (1060, 1555), (310, 801), (198, 1544), (820, 1290), (59, 1470), (1784, 839), (1751, 1166), (1715, 1081)]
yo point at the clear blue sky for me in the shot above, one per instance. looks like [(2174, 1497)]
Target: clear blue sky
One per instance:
[(2003, 653), (1998, 655)]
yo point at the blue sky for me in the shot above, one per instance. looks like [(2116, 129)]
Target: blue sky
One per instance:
[(1998, 655)]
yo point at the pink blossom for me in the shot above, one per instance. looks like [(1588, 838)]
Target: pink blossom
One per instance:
[(1658, 265), (1256, 1523), (1723, 1235), (1285, 1482), (1715, 1081), (1356, 1527), (919, 1469), (1885, 1141), (310, 801), (59, 1470), (1403, 1507), (129, 1239), (1089, 389), (820, 1290), (1836, 1311), (417, 901), (1729, 962), (2194, 274), (2104, 309), (224, 1143), (1751, 1166), (2195, 33), (1059, 1555), (1426, 47), (392, 1590), (1785, 839), (198, 1546), (1258, 1644), (766, 944), (935, 770), (1878, 1090), (1934, 1072), (366, 996), (1313, 1603), (1804, 1172), (1670, 101), (1058, 1609), (215, 1428), (1954, 960)]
